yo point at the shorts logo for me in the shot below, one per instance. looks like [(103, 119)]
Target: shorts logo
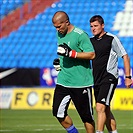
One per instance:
[(110, 79), (103, 100), (85, 91)]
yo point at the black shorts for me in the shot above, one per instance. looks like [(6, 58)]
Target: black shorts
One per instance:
[(103, 93), (81, 97)]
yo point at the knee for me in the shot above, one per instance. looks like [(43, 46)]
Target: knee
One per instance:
[(100, 108)]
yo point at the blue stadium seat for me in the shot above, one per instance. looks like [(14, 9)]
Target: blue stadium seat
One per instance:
[(34, 44), (9, 5)]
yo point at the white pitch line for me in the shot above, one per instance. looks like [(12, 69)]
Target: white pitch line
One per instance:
[(37, 130), (45, 125), (122, 126), (6, 130), (48, 129)]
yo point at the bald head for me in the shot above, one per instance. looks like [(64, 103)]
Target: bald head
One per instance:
[(61, 22), (60, 16)]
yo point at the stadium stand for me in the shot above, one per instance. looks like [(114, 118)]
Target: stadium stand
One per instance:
[(32, 44), (8, 6), (19, 16)]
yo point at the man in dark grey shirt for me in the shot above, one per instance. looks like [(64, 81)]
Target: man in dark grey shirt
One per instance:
[(105, 71)]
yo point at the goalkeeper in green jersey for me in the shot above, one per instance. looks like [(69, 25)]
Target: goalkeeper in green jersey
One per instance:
[(74, 80)]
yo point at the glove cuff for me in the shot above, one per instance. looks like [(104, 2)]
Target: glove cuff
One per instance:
[(73, 54), (57, 67)]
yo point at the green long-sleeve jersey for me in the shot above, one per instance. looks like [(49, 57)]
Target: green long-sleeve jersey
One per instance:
[(75, 73)]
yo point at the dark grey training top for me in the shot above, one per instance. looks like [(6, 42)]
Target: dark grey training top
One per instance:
[(105, 65)]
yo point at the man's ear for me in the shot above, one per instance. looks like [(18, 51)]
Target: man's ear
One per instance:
[(103, 26), (67, 22)]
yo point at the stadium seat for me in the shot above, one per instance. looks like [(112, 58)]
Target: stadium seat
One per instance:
[(9, 5), (34, 44)]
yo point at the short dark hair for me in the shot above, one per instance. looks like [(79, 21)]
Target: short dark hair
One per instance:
[(97, 18)]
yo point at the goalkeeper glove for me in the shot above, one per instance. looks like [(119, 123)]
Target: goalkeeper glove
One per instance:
[(65, 50), (56, 64)]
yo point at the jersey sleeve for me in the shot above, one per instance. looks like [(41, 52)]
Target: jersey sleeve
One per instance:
[(85, 44), (118, 47)]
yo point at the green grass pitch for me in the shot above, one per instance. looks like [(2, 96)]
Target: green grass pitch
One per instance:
[(42, 121)]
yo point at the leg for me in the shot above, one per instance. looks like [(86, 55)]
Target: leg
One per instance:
[(103, 95), (101, 116), (110, 121), (90, 127), (66, 122), (60, 106), (82, 99)]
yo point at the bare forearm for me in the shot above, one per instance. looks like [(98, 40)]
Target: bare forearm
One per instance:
[(128, 80), (86, 55), (126, 65)]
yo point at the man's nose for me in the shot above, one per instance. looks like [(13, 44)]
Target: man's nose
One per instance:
[(57, 29)]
